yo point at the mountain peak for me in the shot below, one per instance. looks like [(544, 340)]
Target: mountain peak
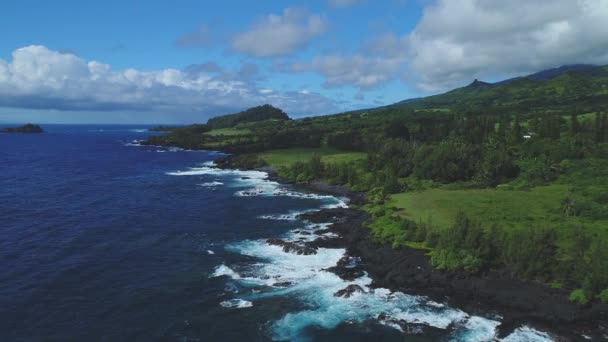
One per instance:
[(478, 84)]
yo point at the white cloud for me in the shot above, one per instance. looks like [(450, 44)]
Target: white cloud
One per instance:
[(344, 3), (278, 35), (359, 71), (39, 78), (457, 41)]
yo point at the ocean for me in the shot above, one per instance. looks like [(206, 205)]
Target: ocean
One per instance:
[(102, 239)]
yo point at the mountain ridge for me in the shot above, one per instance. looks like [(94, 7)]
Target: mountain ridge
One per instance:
[(576, 84)]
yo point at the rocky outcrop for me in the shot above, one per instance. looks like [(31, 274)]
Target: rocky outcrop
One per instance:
[(292, 247), (348, 291), (347, 268), (406, 327), (282, 284)]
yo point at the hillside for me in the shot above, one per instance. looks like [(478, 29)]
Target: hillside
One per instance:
[(563, 89), (506, 177), (260, 113)]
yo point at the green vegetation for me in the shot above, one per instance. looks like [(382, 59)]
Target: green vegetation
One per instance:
[(508, 176), (579, 296), (288, 157), (603, 296), (510, 208), (228, 132), (261, 113), (561, 91)]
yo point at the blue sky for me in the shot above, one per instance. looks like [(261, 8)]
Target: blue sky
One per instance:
[(177, 62)]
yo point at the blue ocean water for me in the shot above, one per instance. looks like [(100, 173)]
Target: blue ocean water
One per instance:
[(105, 240)]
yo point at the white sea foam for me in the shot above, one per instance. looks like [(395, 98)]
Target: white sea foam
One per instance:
[(291, 216), (477, 329), (256, 183), (307, 233), (223, 270), (211, 184), (282, 266), (527, 334), (134, 143), (207, 169), (279, 217), (338, 203), (138, 130), (273, 189), (316, 287), (210, 252), (236, 304)]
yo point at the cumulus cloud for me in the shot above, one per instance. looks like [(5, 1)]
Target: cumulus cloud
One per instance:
[(39, 78), (456, 41), (344, 3), (278, 35), (359, 71)]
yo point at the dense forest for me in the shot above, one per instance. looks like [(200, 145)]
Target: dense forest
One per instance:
[(535, 147)]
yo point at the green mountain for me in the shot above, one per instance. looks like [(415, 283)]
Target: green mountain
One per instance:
[(552, 73), (583, 88), (260, 113)]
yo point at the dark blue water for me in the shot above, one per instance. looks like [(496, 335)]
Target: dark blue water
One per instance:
[(97, 242), (104, 241)]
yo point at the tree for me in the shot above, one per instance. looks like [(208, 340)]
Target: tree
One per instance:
[(549, 127), (600, 127), (397, 130), (575, 126), (503, 127), (516, 135), (496, 167)]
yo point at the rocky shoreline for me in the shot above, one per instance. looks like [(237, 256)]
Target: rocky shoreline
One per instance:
[(409, 270)]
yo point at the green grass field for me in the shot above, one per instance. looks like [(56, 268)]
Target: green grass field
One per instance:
[(280, 158), (505, 207), (228, 132)]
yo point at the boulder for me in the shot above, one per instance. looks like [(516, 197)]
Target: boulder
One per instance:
[(348, 291)]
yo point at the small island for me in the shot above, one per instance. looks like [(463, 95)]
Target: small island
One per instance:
[(27, 128)]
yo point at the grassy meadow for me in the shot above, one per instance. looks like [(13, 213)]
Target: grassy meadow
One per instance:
[(287, 157)]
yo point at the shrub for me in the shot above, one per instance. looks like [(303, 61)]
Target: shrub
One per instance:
[(579, 296), (603, 296)]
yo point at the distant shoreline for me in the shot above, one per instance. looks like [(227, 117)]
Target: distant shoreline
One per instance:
[(25, 129)]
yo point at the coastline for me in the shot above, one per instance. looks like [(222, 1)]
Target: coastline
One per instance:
[(409, 270)]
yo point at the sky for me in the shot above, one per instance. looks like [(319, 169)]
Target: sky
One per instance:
[(136, 61)]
